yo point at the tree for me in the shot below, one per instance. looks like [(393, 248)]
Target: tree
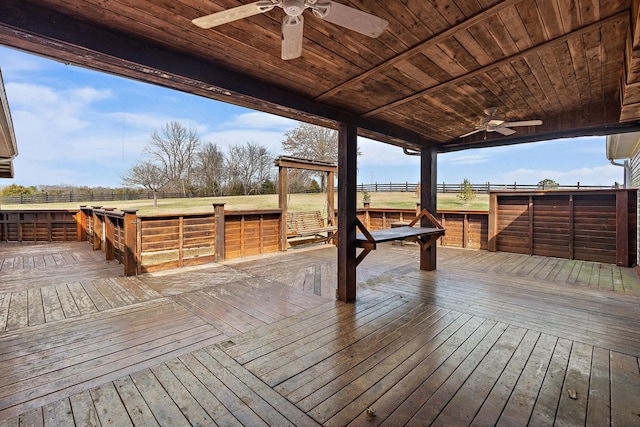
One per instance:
[(547, 184), (148, 175), (210, 169), (248, 167), (466, 191), (18, 190), (312, 142), (174, 150)]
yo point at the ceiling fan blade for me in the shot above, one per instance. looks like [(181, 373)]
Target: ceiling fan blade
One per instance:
[(523, 123), (292, 27), (480, 129), (505, 131), (233, 14), (348, 17)]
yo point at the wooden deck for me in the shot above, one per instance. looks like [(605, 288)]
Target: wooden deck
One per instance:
[(487, 339)]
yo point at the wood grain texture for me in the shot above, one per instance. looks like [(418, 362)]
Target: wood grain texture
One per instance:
[(487, 339)]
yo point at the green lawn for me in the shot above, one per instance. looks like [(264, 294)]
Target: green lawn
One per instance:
[(297, 202)]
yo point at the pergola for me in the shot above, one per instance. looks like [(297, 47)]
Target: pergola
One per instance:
[(573, 64)]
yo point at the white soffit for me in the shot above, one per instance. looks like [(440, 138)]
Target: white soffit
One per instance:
[(8, 145), (623, 145)]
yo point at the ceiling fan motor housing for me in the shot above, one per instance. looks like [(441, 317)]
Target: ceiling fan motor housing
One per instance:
[(294, 7)]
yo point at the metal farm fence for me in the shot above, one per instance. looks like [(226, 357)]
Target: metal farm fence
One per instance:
[(87, 197)]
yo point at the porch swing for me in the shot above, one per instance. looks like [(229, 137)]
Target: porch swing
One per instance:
[(307, 226)]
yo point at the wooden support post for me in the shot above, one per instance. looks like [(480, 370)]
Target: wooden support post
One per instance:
[(218, 209), (283, 185), (331, 212), (530, 212), (97, 229), (109, 239), (130, 250), (492, 234), (428, 199), (622, 228), (571, 228), (347, 169), (181, 241), (81, 224)]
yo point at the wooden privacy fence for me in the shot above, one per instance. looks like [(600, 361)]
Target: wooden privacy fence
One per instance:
[(147, 243), (38, 226), (465, 229), (585, 225), (589, 225)]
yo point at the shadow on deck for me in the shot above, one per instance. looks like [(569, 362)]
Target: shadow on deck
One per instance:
[(487, 339)]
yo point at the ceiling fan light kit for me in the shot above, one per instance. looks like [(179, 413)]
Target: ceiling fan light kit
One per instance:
[(497, 123), (292, 25)]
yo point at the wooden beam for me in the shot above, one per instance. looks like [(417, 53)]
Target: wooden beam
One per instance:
[(449, 32), (428, 200), (624, 15), (347, 176), (601, 130), (28, 26)]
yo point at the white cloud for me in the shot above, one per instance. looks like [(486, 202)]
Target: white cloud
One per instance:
[(376, 153), (600, 175), (258, 120), (465, 159), (16, 64)]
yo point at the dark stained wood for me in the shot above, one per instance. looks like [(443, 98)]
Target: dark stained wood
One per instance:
[(431, 73), (428, 200), (347, 171), (487, 339)]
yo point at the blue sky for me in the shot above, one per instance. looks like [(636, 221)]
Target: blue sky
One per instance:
[(77, 126)]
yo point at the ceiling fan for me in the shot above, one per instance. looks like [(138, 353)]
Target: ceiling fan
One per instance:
[(496, 123), (336, 13)]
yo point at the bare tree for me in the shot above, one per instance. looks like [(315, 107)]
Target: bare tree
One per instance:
[(312, 142), (147, 175), (175, 148), (210, 169), (249, 166)]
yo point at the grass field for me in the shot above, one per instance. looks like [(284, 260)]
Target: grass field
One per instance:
[(297, 202)]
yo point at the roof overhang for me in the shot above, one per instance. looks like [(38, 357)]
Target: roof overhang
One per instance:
[(623, 146), (8, 145)]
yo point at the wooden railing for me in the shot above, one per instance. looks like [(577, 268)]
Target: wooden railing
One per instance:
[(465, 229), (586, 225), (595, 226), (147, 243), (38, 225)]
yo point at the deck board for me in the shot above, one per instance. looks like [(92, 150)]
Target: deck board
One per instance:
[(487, 339)]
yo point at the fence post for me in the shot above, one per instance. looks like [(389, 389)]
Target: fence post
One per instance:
[(109, 238), (97, 229), (81, 221), (622, 228), (578, 185), (492, 234), (130, 222), (218, 209)]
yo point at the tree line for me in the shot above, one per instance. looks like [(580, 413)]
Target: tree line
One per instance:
[(177, 160)]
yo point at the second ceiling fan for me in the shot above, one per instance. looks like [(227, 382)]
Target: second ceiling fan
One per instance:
[(292, 25), (497, 123)]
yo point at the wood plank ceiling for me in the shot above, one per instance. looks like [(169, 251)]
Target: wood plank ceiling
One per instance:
[(426, 80)]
